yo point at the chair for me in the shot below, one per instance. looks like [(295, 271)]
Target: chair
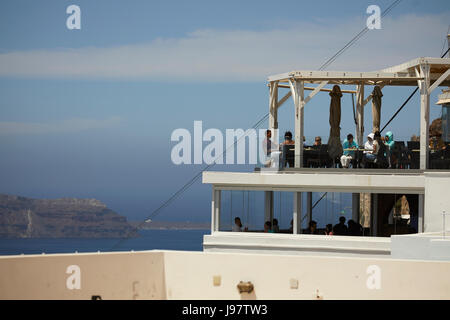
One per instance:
[(413, 145), (337, 162), (325, 160), (399, 157), (358, 159), (381, 162), (414, 156), (313, 158)]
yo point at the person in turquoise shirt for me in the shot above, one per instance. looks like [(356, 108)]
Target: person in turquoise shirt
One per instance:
[(348, 155), (390, 140)]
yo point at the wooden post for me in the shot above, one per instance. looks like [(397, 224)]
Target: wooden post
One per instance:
[(297, 89), (360, 114), (356, 199), (365, 203), (424, 115), (273, 126)]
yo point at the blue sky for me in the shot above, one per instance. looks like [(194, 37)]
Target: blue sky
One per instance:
[(89, 113)]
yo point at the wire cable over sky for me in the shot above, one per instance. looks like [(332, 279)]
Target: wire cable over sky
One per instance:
[(407, 100), (186, 186), (356, 38)]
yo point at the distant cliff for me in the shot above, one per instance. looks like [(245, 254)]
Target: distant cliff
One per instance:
[(22, 217)]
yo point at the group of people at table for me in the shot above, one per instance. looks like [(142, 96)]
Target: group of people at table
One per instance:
[(353, 228), (375, 150)]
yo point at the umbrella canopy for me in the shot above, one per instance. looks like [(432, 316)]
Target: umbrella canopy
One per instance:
[(376, 108), (334, 141)]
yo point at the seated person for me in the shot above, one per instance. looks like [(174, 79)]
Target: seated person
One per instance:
[(340, 229), (390, 143), (271, 151), (329, 230), (275, 227), (348, 155), (268, 227), (312, 228), (354, 228), (369, 156), (288, 139), (317, 142), (389, 140), (237, 227), (380, 151), (288, 156)]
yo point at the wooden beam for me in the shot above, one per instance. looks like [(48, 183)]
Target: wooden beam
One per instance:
[(312, 88), (360, 114), (439, 81), (284, 99), (289, 94), (315, 91), (309, 76), (367, 100)]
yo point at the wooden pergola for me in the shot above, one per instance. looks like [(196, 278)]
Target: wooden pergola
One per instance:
[(426, 73)]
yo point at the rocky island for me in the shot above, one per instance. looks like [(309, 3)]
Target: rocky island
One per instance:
[(22, 217)]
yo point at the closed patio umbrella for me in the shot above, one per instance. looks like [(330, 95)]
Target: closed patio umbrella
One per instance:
[(376, 108), (334, 141)]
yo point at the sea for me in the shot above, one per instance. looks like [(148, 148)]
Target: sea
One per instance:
[(185, 240)]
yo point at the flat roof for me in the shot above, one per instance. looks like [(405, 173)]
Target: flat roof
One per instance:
[(401, 75), (351, 181), (444, 98)]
